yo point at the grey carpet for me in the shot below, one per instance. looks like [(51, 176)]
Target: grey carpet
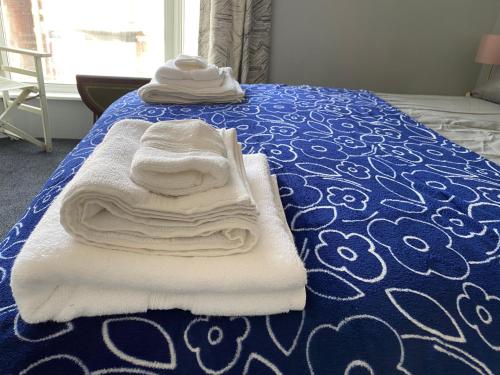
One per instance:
[(24, 168)]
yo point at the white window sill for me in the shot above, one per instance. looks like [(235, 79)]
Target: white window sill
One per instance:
[(63, 96), (57, 92)]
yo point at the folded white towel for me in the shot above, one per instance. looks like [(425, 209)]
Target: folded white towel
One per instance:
[(188, 69), (181, 157), (103, 207), (57, 278), (187, 84), (175, 92), (210, 77)]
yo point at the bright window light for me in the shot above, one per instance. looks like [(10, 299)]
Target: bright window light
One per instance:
[(102, 37), (191, 27)]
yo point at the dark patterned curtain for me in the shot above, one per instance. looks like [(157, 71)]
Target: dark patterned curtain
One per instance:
[(237, 33)]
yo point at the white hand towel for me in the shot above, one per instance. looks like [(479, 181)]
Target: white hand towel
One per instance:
[(190, 84), (103, 207), (172, 70), (57, 278), (210, 77), (187, 62), (181, 157), (229, 92)]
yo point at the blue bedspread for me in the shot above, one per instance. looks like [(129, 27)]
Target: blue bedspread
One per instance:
[(397, 226)]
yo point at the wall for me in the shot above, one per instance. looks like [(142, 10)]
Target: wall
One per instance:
[(403, 46), (69, 119)]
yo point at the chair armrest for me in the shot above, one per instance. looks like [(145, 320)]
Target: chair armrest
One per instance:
[(25, 51)]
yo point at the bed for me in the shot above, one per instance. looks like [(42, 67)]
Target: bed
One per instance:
[(398, 227), (471, 122)]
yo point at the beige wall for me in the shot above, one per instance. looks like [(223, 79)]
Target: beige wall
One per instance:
[(406, 46), (68, 119)]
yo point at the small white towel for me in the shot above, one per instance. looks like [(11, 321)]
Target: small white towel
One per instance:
[(211, 77), (188, 69), (181, 157), (57, 278), (177, 93), (105, 208), (188, 62)]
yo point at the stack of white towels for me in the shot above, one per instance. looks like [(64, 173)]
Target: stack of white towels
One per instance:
[(160, 216), (190, 79)]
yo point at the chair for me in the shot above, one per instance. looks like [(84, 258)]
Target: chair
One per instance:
[(23, 90)]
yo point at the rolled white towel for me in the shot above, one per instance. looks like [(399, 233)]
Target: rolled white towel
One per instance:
[(171, 71), (175, 92), (181, 157), (105, 208), (188, 62), (57, 278)]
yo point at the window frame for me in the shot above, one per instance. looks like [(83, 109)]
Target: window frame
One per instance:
[(173, 26)]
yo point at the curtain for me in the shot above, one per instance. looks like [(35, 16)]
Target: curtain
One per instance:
[(237, 33)]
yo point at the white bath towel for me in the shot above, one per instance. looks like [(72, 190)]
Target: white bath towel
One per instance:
[(103, 207), (57, 278), (182, 157), (189, 84), (173, 92), (186, 69)]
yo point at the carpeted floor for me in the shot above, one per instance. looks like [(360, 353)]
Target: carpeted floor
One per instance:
[(23, 171)]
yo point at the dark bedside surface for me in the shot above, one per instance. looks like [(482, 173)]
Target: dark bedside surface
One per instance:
[(98, 92)]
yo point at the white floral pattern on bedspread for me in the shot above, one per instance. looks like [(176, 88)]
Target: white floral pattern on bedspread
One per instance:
[(398, 227)]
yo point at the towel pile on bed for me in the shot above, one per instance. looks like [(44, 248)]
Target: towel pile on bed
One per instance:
[(190, 79), (113, 204), (165, 215)]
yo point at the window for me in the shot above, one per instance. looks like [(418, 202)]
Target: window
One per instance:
[(104, 37)]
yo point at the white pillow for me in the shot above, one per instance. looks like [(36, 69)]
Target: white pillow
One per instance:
[(489, 91)]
